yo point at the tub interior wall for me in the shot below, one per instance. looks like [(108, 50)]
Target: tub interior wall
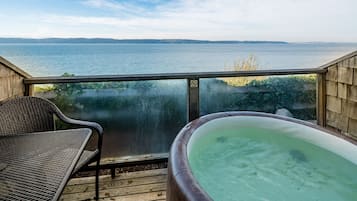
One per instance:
[(311, 135)]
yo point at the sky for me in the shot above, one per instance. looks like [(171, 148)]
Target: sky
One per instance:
[(277, 20)]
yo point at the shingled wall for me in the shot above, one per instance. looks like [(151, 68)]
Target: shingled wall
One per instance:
[(341, 95), (11, 80)]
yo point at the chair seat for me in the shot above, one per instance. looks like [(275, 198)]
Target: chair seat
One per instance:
[(85, 159), (29, 114)]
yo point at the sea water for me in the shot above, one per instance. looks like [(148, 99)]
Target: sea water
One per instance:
[(265, 165), (102, 59)]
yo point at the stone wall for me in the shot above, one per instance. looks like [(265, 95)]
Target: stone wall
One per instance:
[(11, 80), (341, 95)]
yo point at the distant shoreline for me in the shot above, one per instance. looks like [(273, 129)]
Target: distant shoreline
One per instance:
[(137, 41)]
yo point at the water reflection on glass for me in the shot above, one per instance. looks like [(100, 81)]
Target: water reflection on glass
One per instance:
[(288, 95), (138, 117)]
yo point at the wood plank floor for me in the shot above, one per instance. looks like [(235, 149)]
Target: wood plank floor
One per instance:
[(148, 185)]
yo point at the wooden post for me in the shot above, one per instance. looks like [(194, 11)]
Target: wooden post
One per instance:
[(28, 90), (193, 100), (321, 99)]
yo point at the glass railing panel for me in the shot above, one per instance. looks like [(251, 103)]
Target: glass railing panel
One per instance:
[(139, 117), (293, 95)]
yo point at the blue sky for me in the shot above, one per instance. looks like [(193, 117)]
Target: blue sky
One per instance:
[(287, 20)]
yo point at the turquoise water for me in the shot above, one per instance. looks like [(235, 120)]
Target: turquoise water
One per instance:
[(252, 164), (91, 59)]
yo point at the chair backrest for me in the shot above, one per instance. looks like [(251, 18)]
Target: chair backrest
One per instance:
[(26, 114)]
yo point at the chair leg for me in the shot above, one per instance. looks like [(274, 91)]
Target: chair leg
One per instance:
[(97, 179), (112, 172)]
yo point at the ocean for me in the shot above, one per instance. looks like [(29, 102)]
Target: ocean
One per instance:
[(51, 59)]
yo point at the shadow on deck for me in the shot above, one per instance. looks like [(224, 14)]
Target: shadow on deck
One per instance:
[(148, 185)]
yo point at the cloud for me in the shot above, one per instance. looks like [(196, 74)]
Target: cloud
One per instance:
[(290, 20), (125, 8), (103, 4), (83, 20)]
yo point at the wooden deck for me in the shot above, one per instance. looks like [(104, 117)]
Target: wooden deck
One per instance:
[(148, 185)]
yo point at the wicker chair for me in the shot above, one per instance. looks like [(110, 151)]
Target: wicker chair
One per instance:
[(33, 114)]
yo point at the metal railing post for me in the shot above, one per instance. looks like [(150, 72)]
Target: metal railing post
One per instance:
[(193, 99)]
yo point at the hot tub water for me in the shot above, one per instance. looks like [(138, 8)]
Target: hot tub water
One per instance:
[(257, 163)]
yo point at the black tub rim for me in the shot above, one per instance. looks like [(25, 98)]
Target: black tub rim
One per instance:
[(179, 165)]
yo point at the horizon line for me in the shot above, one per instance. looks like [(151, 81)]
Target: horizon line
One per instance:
[(162, 39)]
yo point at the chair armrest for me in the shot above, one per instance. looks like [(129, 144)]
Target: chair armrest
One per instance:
[(92, 125)]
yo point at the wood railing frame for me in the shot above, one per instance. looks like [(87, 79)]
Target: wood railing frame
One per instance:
[(321, 99)]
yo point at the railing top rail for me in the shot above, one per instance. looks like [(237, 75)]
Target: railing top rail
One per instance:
[(168, 76)]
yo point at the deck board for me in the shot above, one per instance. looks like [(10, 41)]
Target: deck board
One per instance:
[(146, 185)]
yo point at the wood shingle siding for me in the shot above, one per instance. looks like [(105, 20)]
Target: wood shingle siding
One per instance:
[(341, 94), (11, 80)]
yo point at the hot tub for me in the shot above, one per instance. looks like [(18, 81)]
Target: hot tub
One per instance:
[(257, 156)]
